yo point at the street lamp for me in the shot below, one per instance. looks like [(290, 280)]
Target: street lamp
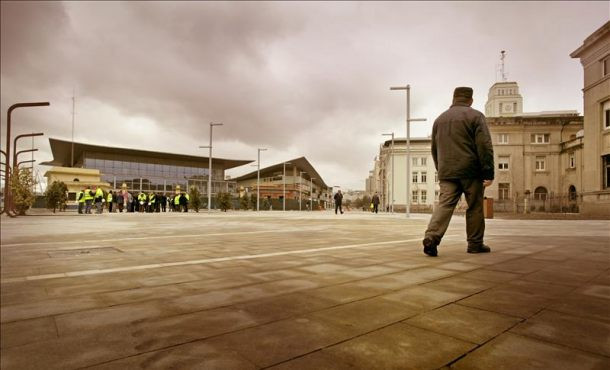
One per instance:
[(284, 180), (392, 154), (300, 185), (311, 193), (408, 144), (258, 178), (212, 124), (7, 200), (28, 161)]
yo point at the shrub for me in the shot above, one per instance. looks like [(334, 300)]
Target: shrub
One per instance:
[(56, 195), (195, 201), (21, 190)]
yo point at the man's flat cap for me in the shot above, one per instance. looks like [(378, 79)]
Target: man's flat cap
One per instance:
[(463, 92)]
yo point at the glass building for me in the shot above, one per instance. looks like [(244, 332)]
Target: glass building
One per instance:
[(142, 170)]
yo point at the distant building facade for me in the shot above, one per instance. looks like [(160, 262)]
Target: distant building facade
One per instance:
[(138, 170), (594, 55), (300, 181)]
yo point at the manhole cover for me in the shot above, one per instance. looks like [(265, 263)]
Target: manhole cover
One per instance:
[(84, 252)]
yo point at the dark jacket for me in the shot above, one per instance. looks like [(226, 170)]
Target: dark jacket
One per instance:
[(375, 199), (338, 198), (461, 145)]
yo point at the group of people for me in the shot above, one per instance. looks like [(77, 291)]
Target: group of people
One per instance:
[(122, 200)]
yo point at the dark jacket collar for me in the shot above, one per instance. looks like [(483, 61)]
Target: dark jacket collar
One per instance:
[(459, 104)]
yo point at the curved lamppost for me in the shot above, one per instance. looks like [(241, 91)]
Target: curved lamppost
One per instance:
[(7, 195)]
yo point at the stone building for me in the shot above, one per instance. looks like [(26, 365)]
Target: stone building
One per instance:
[(594, 55), (537, 154), (424, 182)]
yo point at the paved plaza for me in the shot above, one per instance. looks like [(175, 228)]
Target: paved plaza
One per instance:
[(306, 290)]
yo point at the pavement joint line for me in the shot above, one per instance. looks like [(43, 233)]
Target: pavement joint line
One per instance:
[(200, 261), (151, 237)]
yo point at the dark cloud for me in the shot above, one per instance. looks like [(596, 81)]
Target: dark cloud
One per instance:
[(306, 79)]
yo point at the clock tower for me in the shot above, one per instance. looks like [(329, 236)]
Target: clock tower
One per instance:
[(504, 100)]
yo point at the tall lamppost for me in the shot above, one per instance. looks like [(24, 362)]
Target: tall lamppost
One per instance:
[(258, 178), (408, 144), (284, 180), (7, 200), (392, 187), (311, 193), (300, 185), (212, 124)]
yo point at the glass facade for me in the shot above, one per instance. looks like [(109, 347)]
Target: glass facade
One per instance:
[(155, 174)]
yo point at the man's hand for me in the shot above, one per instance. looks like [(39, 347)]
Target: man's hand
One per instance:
[(487, 183)]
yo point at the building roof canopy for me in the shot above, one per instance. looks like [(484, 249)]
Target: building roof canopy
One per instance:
[(61, 150), (301, 163)]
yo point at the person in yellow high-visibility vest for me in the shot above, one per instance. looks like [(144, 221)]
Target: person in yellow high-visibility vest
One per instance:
[(110, 200), (99, 199), (80, 198), (88, 197), (186, 202), (177, 202), (152, 200), (141, 202)]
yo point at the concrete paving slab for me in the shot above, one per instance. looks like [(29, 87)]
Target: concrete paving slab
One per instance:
[(571, 331), (465, 323), (399, 346), (510, 351)]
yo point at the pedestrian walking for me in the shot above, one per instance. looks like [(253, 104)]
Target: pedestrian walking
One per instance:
[(375, 203), (463, 156), (338, 201)]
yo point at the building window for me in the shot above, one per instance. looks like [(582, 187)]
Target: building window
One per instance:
[(435, 176), (572, 192), (606, 66), (503, 163), (424, 177), (606, 162), (436, 195), (540, 193), (515, 107), (414, 197), (414, 177), (607, 114), (572, 160), (540, 138), (415, 161), (540, 163), (503, 191), (500, 108), (424, 195), (424, 161), (502, 138)]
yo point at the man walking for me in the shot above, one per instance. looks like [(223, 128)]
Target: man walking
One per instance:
[(375, 202), (338, 200), (463, 156)]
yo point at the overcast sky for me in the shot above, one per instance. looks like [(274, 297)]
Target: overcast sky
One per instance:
[(301, 79)]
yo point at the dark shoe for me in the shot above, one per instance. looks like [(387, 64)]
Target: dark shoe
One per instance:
[(479, 249), (430, 247)]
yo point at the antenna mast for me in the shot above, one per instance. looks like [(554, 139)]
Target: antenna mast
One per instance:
[(502, 56)]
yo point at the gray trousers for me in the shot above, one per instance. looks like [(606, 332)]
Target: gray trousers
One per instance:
[(450, 193)]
